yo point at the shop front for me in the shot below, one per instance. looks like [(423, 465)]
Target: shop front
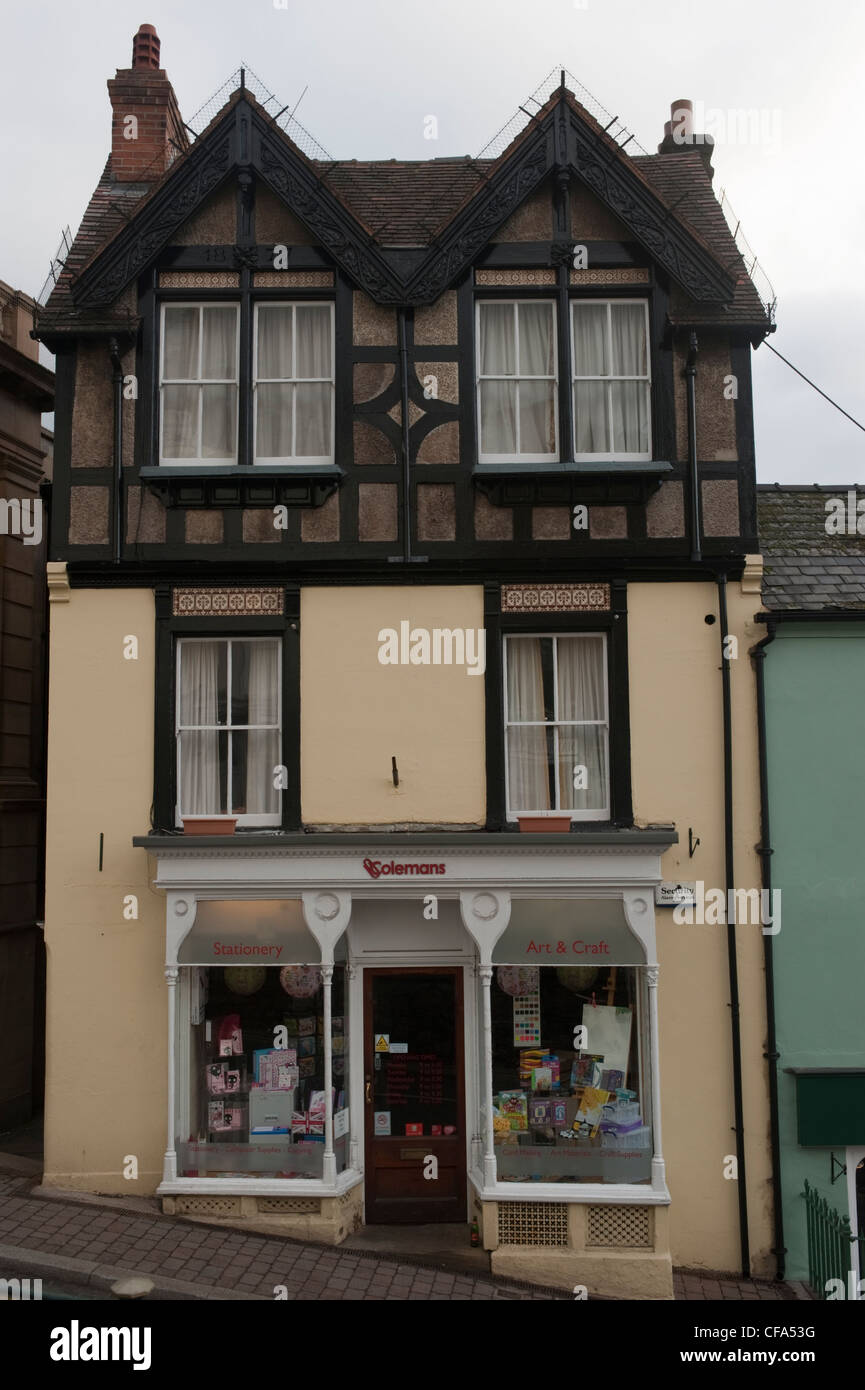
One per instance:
[(455, 1030)]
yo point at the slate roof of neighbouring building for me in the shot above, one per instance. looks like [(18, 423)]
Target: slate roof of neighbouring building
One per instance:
[(803, 567)]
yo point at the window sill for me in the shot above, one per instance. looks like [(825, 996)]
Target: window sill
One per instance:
[(568, 481), (230, 485), (261, 1187), (592, 1193)]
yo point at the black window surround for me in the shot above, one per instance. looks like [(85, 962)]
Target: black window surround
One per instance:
[(603, 479), (286, 627), (615, 624), (244, 483)]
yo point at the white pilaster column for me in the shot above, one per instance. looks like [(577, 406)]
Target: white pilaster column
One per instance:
[(169, 1165), (658, 1175), (486, 974), (329, 1168)]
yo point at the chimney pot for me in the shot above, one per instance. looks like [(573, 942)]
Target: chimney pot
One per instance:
[(145, 48), (682, 117)]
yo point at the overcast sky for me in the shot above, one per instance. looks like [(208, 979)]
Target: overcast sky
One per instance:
[(375, 69)]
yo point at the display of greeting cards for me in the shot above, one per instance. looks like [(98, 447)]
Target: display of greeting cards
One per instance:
[(223, 1077), (591, 1111), (306, 1027), (306, 1046), (586, 1069), (612, 1079), (514, 1105), (223, 1118), (540, 1111)]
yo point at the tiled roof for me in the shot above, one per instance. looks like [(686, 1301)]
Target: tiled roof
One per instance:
[(682, 181), (804, 568), (408, 203)]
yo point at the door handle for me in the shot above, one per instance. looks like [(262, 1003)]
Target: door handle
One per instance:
[(367, 1090)]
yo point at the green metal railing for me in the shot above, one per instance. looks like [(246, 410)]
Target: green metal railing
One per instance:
[(829, 1242)]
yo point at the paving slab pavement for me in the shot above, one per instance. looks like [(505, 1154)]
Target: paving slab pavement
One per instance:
[(91, 1242)]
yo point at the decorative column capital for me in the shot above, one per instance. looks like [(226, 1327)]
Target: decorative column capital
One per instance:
[(652, 973), (172, 974)]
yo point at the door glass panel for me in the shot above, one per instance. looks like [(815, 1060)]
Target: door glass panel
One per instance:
[(418, 1086)]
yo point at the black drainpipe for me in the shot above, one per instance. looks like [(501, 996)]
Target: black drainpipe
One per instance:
[(739, 1127), (691, 379), (758, 656), (114, 354)]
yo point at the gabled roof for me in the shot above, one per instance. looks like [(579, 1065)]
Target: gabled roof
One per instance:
[(803, 567), (447, 209)]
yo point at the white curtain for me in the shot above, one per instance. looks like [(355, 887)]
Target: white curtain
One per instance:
[(199, 421), (199, 748), (517, 416), (590, 359), (263, 744), (498, 399), (629, 399), (528, 776), (537, 398), (581, 696), (294, 345)]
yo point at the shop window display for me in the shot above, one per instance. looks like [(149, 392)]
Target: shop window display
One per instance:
[(256, 1085), (570, 1075)]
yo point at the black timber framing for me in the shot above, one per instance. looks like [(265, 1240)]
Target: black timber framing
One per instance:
[(168, 629), (615, 624), (223, 152)]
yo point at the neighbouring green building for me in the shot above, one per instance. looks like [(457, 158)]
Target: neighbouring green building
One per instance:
[(811, 687)]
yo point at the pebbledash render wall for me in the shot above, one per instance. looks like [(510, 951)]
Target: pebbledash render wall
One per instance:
[(105, 972)]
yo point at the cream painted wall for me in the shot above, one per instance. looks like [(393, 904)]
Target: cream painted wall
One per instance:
[(677, 770), (356, 713), (106, 1012)]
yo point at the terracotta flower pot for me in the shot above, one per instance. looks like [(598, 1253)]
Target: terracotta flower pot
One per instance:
[(544, 825), (209, 825)]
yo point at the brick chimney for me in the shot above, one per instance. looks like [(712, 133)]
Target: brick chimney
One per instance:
[(145, 115), (679, 134)]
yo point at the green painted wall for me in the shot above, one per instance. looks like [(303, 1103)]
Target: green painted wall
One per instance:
[(815, 716)]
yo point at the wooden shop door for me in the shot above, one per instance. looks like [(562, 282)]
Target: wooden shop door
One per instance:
[(414, 1094)]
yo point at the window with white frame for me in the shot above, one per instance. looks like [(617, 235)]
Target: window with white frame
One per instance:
[(557, 726), (228, 727), (294, 383), (517, 381), (198, 383), (611, 379)]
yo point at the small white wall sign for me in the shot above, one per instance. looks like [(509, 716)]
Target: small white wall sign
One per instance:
[(672, 894)]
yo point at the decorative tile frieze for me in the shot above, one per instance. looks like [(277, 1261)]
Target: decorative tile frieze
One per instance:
[(555, 598), (539, 276), (199, 280), (232, 603), (293, 279), (632, 275)]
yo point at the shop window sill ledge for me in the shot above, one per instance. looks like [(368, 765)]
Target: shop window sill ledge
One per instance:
[(260, 1187), (594, 1194)]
